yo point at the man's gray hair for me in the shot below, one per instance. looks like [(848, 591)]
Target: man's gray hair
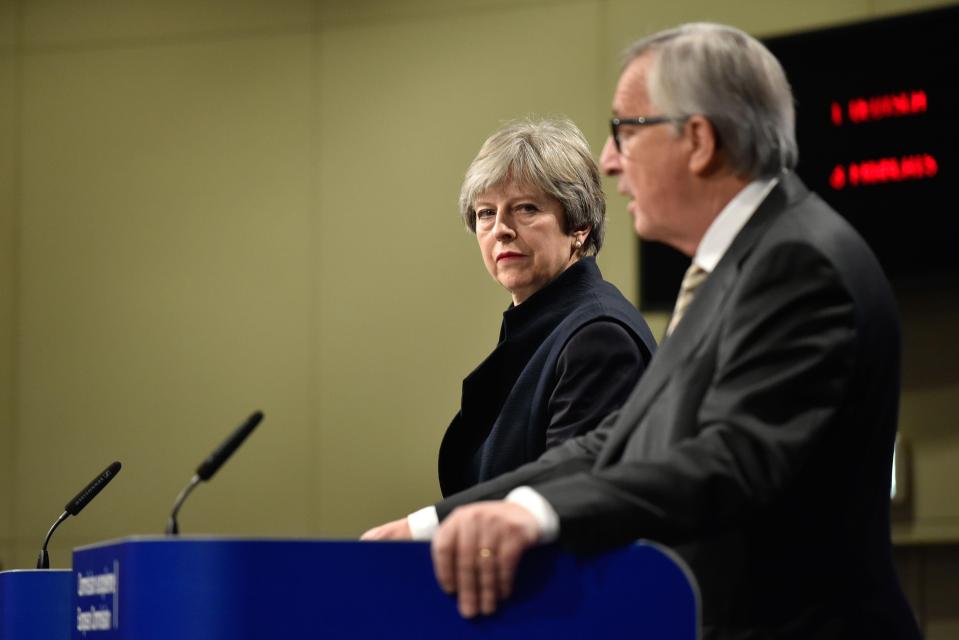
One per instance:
[(731, 79), (550, 155)]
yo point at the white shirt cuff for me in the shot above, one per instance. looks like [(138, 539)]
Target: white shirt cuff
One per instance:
[(423, 523), (541, 510)]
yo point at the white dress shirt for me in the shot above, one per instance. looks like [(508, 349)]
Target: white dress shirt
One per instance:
[(712, 247)]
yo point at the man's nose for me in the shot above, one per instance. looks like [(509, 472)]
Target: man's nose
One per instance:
[(609, 159)]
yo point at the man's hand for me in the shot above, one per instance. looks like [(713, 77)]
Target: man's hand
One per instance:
[(396, 530), (476, 550)]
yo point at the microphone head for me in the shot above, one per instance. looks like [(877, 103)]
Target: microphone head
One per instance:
[(216, 459), (90, 492)]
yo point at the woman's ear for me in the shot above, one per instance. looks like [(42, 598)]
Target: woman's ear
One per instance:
[(579, 238)]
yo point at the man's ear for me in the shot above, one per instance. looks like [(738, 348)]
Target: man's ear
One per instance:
[(704, 145)]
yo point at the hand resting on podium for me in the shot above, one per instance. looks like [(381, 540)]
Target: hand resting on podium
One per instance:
[(475, 551), (395, 530)]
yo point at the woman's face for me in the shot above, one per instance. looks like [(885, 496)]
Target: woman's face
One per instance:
[(520, 234)]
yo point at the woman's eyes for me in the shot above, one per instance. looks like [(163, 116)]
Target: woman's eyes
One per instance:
[(490, 214)]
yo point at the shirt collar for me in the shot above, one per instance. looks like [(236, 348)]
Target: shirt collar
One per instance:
[(730, 220)]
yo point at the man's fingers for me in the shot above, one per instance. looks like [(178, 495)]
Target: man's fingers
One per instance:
[(487, 563), (396, 530), (510, 551), (376, 533), (476, 551), (443, 550), (467, 554)]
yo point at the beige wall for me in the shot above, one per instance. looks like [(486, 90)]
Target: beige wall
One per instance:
[(8, 262), (165, 261), (208, 207)]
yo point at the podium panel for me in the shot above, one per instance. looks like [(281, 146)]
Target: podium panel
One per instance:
[(210, 588), (35, 604)]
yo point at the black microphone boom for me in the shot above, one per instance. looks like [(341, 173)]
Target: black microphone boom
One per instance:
[(216, 459), (76, 505), (212, 464)]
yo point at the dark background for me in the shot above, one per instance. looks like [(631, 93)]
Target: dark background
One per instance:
[(911, 225)]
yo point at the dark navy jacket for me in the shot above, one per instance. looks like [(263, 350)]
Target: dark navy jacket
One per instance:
[(568, 356)]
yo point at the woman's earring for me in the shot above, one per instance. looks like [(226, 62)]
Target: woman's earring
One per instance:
[(579, 244)]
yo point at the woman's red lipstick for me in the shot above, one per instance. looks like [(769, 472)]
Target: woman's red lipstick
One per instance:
[(508, 254)]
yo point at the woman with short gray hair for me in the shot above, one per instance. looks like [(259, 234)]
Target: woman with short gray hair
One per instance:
[(571, 347), (551, 155)]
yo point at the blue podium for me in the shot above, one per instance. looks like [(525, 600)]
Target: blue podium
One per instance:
[(159, 587), (184, 588), (35, 605)]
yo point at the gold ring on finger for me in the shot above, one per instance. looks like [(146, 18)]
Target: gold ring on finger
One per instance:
[(485, 553)]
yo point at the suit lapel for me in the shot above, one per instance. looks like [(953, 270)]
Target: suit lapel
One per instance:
[(701, 316)]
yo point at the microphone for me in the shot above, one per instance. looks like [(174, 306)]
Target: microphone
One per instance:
[(75, 506), (211, 465)]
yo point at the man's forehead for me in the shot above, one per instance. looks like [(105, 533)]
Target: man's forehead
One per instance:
[(631, 88)]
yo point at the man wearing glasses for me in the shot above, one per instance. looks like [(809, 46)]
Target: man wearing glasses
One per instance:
[(758, 444)]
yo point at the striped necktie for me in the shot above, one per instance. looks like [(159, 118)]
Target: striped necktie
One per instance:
[(694, 277)]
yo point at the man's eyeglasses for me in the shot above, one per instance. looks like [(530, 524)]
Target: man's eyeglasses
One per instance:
[(640, 121)]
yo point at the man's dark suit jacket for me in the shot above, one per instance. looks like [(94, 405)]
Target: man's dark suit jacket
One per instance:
[(759, 442)]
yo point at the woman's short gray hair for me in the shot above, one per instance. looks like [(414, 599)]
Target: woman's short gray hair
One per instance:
[(551, 155), (731, 79)]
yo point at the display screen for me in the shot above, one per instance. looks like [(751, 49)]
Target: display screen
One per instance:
[(877, 122)]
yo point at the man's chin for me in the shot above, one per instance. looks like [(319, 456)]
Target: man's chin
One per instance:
[(639, 220), (649, 233), (640, 228)]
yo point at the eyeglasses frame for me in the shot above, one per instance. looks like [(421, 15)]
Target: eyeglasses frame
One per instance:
[(641, 121)]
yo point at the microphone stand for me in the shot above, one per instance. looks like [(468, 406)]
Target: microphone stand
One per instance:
[(43, 560), (172, 528)]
